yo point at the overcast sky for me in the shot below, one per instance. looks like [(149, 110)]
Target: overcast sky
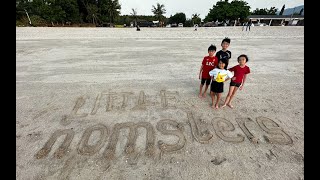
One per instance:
[(201, 7)]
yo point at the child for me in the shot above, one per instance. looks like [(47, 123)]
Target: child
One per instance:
[(219, 75), (249, 24), (208, 63), (240, 74), (224, 53)]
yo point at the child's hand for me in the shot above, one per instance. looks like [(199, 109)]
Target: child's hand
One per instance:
[(234, 78), (241, 87)]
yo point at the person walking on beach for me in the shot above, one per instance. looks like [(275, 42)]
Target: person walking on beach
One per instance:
[(224, 53), (208, 63), (240, 74), (249, 25), (219, 75)]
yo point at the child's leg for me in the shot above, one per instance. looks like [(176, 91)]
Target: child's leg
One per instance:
[(201, 86), (232, 95), (231, 89), (205, 91), (218, 99), (212, 98), (206, 88), (200, 93)]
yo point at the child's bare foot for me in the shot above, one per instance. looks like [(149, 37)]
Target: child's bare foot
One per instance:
[(204, 95), (212, 106), (217, 107), (230, 105), (223, 106), (200, 96)]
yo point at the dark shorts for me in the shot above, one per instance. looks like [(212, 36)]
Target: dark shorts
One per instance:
[(207, 81), (217, 87), (235, 84)]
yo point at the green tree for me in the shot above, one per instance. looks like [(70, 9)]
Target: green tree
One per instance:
[(50, 10), (282, 9), (21, 7), (82, 10), (158, 12), (93, 14), (71, 9), (272, 11), (195, 18), (239, 10), (113, 10), (225, 11), (178, 18), (265, 11), (188, 23), (134, 15), (103, 10)]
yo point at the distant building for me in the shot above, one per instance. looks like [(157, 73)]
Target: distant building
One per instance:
[(277, 20), (145, 23)]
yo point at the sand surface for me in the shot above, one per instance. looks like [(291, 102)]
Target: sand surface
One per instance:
[(109, 103)]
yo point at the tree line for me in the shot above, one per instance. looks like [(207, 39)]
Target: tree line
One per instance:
[(107, 13)]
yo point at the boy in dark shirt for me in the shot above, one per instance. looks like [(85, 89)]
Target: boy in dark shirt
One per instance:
[(224, 53)]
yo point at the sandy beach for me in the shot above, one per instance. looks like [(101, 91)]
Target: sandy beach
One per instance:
[(120, 104)]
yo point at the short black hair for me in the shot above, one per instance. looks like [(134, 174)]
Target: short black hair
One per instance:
[(225, 61), (226, 39), (245, 56), (212, 48)]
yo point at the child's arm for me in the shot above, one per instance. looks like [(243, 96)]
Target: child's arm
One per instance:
[(213, 78), (229, 76), (200, 71), (243, 80)]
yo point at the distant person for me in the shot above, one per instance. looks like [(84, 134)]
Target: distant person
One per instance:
[(249, 25), (196, 27), (240, 74), (224, 53), (219, 75), (138, 28), (208, 63), (244, 25)]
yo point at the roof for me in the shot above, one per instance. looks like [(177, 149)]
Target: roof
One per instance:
[(276, 17)]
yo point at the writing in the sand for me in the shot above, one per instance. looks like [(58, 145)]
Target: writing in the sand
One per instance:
[(158, 135), (273, 134), (107, 101), (125, 101)]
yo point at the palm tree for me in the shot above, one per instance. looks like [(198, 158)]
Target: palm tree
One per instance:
[(134, 14), (158, 11), (113, 9), (92, 13), (195, 18)]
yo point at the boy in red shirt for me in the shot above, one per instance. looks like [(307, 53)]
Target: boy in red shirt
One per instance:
[(240, 74), (208, 63)]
